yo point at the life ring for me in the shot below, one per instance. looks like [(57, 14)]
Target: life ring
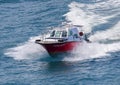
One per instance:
[(81, 33)]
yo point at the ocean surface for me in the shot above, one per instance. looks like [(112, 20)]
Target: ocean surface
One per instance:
[(22, 62)]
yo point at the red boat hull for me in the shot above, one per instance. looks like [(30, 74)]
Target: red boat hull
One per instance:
[(53, 48)]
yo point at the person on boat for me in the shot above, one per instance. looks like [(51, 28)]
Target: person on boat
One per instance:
[(85, 36), (86, 39)]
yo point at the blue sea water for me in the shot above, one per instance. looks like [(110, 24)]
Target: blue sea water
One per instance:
[(22, 62)]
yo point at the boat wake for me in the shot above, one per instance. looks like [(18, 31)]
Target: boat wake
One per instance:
[(104, 34), (103, 27)]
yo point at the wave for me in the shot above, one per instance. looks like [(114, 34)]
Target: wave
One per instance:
[(10, 1), (19, 1)]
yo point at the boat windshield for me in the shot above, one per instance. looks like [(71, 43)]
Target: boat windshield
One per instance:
[(58, 34), (52, 34), (64, 34)]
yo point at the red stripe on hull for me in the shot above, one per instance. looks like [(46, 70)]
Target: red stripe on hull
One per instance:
[(60, 47)]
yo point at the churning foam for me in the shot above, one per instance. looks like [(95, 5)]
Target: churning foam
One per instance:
[(81, 14), (90, 15), (92, 50), (26, 50), (109, 34)]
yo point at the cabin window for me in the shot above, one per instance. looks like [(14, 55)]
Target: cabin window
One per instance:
[(70, 33), (64, 34), (52, 34), (58, 34), (76, 36)]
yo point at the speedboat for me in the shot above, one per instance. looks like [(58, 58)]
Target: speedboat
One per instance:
[(63, 39)]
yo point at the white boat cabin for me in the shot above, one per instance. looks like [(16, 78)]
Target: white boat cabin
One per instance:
[(70, 34), (64, 34)]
